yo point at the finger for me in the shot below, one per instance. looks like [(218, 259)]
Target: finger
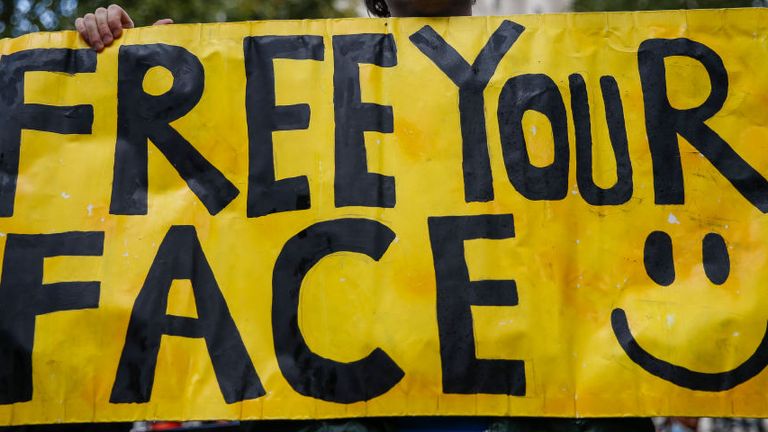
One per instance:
[(164, 21), (125, 19), (94, 38), (114, 20), (80, 26), (103, 26)]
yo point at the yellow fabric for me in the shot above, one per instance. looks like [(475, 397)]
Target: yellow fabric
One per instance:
[(573, 262)]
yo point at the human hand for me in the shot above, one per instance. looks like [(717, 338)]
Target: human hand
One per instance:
[(101, 28)]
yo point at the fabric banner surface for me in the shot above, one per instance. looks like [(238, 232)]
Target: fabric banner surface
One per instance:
[(554, 215)]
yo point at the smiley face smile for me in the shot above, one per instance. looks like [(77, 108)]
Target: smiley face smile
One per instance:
[(659, 265)]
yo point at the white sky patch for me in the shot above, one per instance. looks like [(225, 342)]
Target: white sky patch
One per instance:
[(672, 219)]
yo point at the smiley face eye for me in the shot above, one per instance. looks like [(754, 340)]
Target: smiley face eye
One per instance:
[(660, 265), (659, 262), (717, 262)]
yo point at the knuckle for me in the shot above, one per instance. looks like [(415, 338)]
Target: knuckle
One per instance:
[(101, 10), (89, 17)]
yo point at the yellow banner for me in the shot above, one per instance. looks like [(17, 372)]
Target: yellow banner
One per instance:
[(556, 215)]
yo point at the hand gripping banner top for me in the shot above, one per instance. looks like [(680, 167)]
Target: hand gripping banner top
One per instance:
[(553, 215)]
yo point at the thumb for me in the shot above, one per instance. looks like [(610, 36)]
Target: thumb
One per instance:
[(164, 21)]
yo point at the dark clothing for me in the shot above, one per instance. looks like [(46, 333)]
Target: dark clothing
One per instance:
[(568, 425), (405, 424), (463, 424)]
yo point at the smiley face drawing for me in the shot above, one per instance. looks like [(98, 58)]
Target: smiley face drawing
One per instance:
[(659, 265)]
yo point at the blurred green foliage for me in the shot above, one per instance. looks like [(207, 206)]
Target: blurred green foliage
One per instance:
[(145, 12), (632, 5), (23, 16)]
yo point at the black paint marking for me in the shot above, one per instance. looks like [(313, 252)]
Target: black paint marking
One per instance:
[(266, 195), (463, 372), (472, 81), (181, 256), (534, 93), (24, 297), (354, 184), (308, 373), (659, 259), (622, 191), (142, 117), (716, 259), (681, 376), (664, 123), (16, 116)]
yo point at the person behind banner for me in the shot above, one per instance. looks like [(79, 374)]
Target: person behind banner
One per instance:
[(101, 28)]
